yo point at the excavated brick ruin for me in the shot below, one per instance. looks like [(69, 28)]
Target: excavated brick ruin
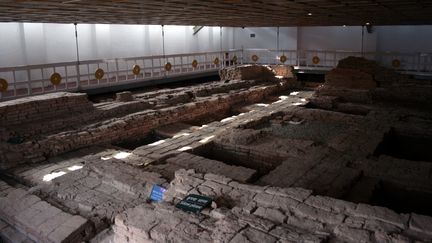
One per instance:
[(347, 162)]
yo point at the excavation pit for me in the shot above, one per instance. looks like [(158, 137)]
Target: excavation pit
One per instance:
[(404, 146), (317, 131), (280, 169), (133, 143), (401, 199), (213, 117), (346, 108), (244, 158)]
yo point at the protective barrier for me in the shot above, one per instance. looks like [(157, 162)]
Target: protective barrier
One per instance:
[(71, 76)]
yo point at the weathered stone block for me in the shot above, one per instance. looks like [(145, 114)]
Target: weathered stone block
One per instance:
[(330, 204), (421, 223), (283, 71), (247, 72), (304, 210), (349, 78), (271, 214), (352, 235), (359, 63), (124, 96), (253, 235), (379, 213)]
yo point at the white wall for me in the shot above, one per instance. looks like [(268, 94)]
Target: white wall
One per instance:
[(207, 39), (265, 38), (37, 43), (32, 43), (405, 38), (334, 38), (12, 45)]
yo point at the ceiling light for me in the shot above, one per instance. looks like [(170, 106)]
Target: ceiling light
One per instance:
[(310, 14), (367, 23)]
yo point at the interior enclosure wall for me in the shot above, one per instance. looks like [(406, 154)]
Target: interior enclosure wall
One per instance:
[(39, 43)]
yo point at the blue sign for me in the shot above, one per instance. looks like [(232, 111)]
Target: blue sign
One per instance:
[(157, 193)]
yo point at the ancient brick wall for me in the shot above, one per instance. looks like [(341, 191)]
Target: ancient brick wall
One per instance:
[(288, 210), (43, 106), (134, 125)]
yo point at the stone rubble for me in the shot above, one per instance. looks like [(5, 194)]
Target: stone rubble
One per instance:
[(246, 72), (37, 220), (125, 96), (282, 164), (203, 165), (261, 214), (359, 80), (138, 124)]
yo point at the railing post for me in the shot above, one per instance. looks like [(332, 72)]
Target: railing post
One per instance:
[(78, 75), (98, 81), (335, 59), (205, 61), (55, 86), (117, 70), (152, 67), (29, 87), (242, 55), (67, 77), (108, 72), (88, 74), (14, 79), (43, 81), (418, 62)]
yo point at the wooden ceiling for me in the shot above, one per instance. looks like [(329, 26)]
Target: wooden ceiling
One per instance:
[(220, 12)]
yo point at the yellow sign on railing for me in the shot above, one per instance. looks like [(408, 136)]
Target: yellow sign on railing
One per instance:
[(168, 66), (99, 73), (56, 79), (3, 85), (136, 69)]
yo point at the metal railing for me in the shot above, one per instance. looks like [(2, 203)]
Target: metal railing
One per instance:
[(305, 59), (36, 79)]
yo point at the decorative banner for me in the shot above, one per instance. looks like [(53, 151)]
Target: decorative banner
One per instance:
[(157, 193), (234, 59), (168, 66), (56, 79), (194, 203), (216, 61), (136, 69), (194, 63), (99, 73), (3, 85), (396, 63), (255, 58), (283, 59), (315, 60)]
